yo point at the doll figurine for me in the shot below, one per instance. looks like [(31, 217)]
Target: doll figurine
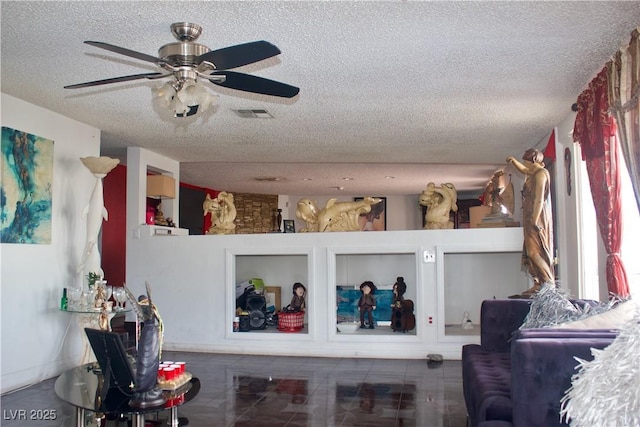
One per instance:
[(297, 301), (367, 303), (399, 288)]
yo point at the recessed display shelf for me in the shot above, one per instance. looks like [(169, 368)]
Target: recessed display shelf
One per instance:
[(350, 270), (260, 287)]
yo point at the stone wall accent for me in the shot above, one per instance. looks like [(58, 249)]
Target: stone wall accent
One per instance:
[(255, 212)]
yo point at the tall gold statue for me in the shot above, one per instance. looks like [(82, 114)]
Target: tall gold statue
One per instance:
[(537, 222)]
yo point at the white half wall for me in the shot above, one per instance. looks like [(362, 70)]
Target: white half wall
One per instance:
[(39, 341), (193, 279)]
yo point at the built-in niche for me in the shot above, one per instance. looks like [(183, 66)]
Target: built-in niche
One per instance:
[(263, 284), (465, 279), (350, 270)]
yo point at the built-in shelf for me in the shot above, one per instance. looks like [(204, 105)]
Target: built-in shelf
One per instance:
[(278, 273), (447, 272), (466, 278), (350, 267), (160, 230)]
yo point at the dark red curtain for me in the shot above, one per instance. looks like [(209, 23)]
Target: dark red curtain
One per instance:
[(595, 131)]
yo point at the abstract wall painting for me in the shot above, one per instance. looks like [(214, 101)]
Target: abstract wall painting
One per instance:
[(25, 193)]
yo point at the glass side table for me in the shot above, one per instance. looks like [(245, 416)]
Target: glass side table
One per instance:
[(90, 318), (81, 387)]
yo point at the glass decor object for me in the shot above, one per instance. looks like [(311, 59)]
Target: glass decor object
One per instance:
[(120, 295)]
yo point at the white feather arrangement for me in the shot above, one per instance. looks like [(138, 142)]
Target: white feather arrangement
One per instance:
[(551, 307), (606, 390)]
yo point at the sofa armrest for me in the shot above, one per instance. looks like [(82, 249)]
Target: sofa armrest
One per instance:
[(498, 319), (541, 371)]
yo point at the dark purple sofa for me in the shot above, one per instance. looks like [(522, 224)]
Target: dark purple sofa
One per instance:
[(517, 377)]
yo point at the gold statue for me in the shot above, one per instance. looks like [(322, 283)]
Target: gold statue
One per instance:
[(307, 210), (537, 222), (335, 216), (439, 202), (223, 213), (159, 218), (103, 319)]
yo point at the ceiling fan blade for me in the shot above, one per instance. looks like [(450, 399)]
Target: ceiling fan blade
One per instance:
[(126, 52), (239, 55), (118, 80), (249, 83)]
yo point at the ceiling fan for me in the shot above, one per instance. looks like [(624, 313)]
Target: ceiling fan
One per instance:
[(186, 62)]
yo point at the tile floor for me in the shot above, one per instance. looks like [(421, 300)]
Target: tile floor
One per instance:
[(264, 391)]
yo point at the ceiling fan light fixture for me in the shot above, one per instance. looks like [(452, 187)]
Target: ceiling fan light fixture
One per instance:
[(166, 92), (192, 93), (179, 108), (185, 98)]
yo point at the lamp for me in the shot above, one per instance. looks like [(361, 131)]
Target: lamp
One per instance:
[(161, 187), (185, 97)]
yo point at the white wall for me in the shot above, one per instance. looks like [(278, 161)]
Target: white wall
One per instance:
[(193, 280), (568, 220), (39, 341)]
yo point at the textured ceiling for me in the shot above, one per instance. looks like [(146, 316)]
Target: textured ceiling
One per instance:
[(418, 91)]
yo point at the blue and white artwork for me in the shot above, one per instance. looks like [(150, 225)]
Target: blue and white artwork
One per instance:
[(25, 194), (347, 304)]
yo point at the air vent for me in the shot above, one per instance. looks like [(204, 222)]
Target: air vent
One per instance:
[(254, 114)]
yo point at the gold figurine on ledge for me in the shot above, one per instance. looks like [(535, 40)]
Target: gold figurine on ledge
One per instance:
[(335, 216), (439, 201), (223, 213)]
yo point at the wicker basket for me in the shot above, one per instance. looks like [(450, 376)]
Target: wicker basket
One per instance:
[(290, 322)]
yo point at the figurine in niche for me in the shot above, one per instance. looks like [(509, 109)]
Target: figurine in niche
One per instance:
[(399, 289), (159, 218), (466, 321), (367, 303), (298, 302), (402, 317), (439, 201), (223, 213)]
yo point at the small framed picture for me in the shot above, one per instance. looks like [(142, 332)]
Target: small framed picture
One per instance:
[(289, 226), (376, 219), (273, 298)]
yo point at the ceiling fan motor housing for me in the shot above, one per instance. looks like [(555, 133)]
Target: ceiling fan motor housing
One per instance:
[(182, 54)]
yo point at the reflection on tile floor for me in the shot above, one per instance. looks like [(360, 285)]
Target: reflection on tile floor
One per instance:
[(265, 391)]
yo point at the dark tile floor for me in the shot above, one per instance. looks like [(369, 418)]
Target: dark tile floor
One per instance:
[(257, 391)]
